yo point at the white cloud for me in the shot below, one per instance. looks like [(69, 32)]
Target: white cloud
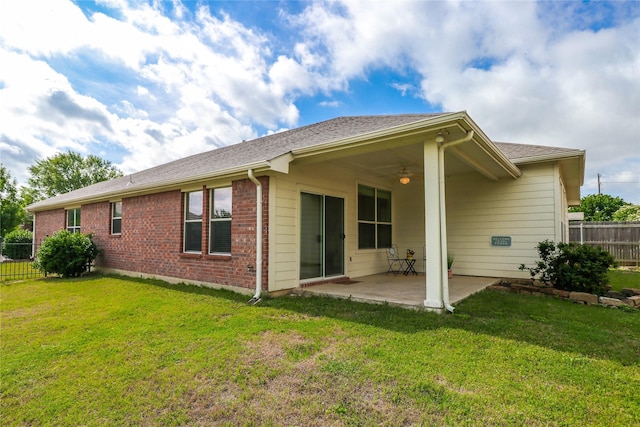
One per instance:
[(520, 78), (330, 104), (42, 28), (188, 85), (403, 88), (184, 81)]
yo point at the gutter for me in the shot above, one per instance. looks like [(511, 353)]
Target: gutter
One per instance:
[(493, 151), (256, 297), (577, 154), (444, 279)]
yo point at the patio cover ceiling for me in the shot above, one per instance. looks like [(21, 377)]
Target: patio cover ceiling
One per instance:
[(385, 154)]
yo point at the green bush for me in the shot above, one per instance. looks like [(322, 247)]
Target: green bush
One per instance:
[(66, 254), (572, 267), (17, 244)]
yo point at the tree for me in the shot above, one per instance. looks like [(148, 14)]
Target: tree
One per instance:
[(627, 213), (599, 207), (12, 212), (17, 244), (65, 172)]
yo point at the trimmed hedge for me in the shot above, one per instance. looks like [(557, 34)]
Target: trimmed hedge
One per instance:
[(572, 267), (66, 254)]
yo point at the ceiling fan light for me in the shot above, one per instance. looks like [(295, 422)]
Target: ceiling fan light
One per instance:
[(405, 180)]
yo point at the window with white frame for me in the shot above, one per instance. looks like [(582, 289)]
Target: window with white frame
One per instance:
[(374, 218), (193, 221), (116, 218), (73, 220), (220, 221)]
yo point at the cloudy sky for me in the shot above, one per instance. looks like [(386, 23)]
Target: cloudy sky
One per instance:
[(141, 83)]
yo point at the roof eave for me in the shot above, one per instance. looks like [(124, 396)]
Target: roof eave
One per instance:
[(484, 142), (550, 157), (155, 186), (574, 181)]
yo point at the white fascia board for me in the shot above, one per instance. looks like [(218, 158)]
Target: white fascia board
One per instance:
[(577, 155), (492, 150), (550, 157), (281, 163)]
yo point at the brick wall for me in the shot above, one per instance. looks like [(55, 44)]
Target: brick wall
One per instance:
[(152, 230), (49, 222)]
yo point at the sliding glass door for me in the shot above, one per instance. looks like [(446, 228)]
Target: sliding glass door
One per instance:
[(321, 236)]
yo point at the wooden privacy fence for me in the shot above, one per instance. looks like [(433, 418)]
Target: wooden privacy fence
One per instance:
[(620, 239)]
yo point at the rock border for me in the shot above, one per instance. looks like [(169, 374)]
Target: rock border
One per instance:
[(628, 297)]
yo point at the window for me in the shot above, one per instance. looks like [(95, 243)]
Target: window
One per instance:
[(73, 220), (193, 221), (220, 221), (116, 217), (374, 218)]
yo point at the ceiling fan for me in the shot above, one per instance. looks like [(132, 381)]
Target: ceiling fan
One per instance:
[(405, 175)]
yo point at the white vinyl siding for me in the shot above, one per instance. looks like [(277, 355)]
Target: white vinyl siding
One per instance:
[(477, 208), (283, 261), (284, 191), (524, 209)]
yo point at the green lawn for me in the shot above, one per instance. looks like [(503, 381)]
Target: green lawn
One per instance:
[(619, 279), (115, 351)]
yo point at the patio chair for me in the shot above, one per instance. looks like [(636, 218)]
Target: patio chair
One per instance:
[(396, 263)]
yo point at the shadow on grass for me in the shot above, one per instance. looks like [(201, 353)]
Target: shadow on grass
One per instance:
[(180, 287), (592, 331)]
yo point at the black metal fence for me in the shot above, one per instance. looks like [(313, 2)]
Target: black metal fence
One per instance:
[(16, 261)]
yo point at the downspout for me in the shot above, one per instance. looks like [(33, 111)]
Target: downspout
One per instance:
[(256, 297), (443, 214)]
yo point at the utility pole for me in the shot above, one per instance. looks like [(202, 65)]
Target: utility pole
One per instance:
[(599, 183)]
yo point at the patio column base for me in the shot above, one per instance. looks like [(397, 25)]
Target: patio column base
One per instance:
[(433, 304)]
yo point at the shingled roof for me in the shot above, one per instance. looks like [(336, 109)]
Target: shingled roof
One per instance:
[(257, 153), (519, 153), (241, 155)]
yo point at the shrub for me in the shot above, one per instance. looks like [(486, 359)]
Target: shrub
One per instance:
[(17, 244), (66, 254), (572, 267)]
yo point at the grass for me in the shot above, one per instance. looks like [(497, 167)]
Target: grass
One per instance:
[(619, 279), (115, 351)]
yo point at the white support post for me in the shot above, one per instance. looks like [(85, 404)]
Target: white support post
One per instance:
[(433, 238)]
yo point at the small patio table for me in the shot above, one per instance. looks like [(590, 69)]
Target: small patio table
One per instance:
[(409, 263)]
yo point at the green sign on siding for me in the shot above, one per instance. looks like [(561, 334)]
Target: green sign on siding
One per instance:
[(502, 241)]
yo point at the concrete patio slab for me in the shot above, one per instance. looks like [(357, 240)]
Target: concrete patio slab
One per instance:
[(406, 291)]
